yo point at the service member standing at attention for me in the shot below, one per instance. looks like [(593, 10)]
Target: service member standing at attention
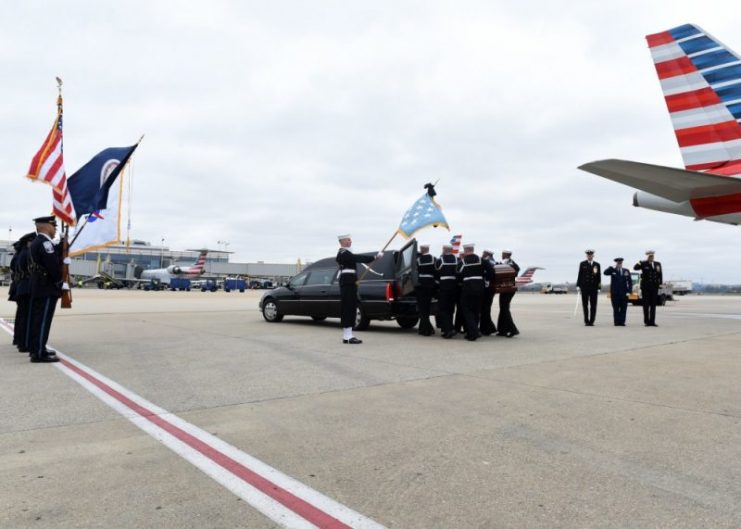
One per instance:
[(471, 270), (446, 267), (487, 326), (505, 323), (425, 289), (651, 279), (21, 291), (621, 286), (589, 282), (45, 265), (348, 279)]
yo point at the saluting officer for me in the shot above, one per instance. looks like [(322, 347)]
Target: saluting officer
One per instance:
[(589, 282), (651, 279), (446, 267), (347, 262), (621, 285), (505, 323), (21, 291), (425, 289), (45, 265), (471, 270), (487, 326)]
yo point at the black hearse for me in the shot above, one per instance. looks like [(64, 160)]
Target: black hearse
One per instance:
[(386, 291)]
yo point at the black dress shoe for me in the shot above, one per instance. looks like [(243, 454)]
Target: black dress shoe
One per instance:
[(22, 350), (471, 338), (501, 334), (46, 359), (652, 325), (352, 340)]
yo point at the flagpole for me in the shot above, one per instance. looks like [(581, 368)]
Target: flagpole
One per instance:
[(66, 302), (374, 260)]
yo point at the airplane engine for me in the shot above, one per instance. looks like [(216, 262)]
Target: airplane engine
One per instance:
[(641, 199), (175, 270)]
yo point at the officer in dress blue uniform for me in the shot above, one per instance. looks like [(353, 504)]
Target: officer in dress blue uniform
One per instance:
[(446, 267), (589, 282), (621, 285), (651, 279), (471, 270), (45, 265), (425, 289), (505, 322), (347, 262), (487, 326), (21, 291)]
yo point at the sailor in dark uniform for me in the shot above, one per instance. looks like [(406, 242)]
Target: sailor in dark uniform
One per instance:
[(21, 291), (425, 290), (45, 265), (505, 324), (621, 285), (651, 279), (487, 326), (447, 291), (471, 270), (589, 282), (347, 262)]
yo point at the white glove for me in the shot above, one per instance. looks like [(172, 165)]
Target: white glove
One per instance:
[(65, 286), (379, 255), (67, 260), (578, 289)]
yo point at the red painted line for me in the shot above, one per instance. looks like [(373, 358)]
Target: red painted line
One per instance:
[(693, 99), (715, 133), (674, 67), (267, 487), (657, 39)]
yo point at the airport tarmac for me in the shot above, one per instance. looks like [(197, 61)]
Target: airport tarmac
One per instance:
[(564, 426)]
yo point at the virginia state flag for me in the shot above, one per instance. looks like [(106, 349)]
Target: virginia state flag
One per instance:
[(425, 212), (90, 185)]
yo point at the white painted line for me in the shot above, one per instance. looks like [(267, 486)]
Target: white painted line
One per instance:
[(286, 501)]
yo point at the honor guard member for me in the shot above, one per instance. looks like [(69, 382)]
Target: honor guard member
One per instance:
[(486, 325), (21, 291), (505, 323), (425, 289), (45, 265), (347, 262), (589, 282), (621, 285), (651, 279), (471, 270), (446, 267), (13, 286)]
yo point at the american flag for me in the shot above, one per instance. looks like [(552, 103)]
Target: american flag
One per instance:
[(48, 166), (455, 242)]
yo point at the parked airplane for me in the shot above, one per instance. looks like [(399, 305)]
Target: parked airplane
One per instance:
[(701, 81), (165, 274)]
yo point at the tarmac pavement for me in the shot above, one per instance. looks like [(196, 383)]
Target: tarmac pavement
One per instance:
[(564, 426)]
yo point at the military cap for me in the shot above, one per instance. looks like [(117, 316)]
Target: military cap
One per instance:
[(469, 245), (27, 237), (46, 220), (448, 246), (489, 252), (618, 259), (650, 252), (345, 236), (588, 251), (424, 246), (508, 252)]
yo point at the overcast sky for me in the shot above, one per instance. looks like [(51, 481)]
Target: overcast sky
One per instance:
[(277, 125)]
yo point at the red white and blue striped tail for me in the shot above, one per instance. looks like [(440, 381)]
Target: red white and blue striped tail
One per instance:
[(701, 81)]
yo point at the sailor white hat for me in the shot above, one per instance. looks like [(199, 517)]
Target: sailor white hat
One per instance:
[(650, 252), (449, 246), (489, 252), (507, 251), (424, 245), (469, 245), (345, 236)]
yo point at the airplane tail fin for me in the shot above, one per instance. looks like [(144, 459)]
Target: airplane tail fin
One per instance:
[(701, 81), (527, 276), (200, 265)]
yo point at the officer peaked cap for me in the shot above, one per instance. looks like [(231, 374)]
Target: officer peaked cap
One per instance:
[(588, 251), (46, 220), (618, 259)]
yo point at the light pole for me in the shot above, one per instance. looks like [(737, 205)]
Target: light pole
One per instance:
[(10, 236), (162, 252)]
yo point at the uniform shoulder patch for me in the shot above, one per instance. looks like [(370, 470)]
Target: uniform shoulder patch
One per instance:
[(49, 247)]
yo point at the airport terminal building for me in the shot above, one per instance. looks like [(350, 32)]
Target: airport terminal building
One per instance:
[(121, 262)]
